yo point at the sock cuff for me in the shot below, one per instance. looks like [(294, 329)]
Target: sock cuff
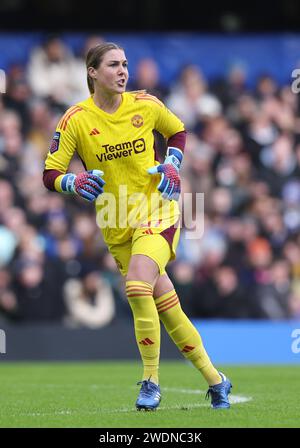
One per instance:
[(139, 287), (167, 301), (165, 296)]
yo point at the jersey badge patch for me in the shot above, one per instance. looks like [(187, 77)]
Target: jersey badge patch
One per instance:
[(55, 142), (137, 121)]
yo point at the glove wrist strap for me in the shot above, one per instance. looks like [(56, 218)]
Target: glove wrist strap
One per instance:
[(175, 155), (68, 183)]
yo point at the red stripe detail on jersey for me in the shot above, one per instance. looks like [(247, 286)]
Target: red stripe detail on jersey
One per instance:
[(61, 121), (60, 124), (151, 99), (68, 115), (146, 96)]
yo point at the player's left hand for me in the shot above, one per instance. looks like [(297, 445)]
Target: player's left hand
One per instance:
[(169, 185)]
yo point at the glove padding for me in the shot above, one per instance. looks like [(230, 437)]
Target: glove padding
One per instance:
[(87, 185), (169, 185)]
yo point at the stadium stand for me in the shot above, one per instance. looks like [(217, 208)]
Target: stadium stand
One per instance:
[(243, 153)]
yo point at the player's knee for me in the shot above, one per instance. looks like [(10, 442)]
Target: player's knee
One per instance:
[(143, 269), (162, 286)]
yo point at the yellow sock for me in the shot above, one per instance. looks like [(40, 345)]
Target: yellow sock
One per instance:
[(146, 325), (185, 335)]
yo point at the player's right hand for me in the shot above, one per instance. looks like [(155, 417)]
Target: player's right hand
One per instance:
[(169, 185), (87, 185)]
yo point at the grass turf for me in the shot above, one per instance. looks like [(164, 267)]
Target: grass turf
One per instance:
[(102, 395)]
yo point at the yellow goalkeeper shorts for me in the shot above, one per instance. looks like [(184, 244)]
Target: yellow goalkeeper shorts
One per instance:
[(160, 247)]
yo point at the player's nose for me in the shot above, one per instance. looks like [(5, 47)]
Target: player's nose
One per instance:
[(122, 70)]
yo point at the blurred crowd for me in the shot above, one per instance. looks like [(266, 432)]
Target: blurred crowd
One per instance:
[(242, 152)]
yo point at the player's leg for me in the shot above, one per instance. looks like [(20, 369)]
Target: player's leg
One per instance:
[(142, 274), (150, 254), (181, 329), (188, 340)]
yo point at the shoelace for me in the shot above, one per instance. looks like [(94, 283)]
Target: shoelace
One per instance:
[(147, 389), (208, 394), (211, 393)]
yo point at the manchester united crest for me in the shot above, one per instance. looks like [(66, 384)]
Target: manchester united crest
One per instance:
[(137, 121)]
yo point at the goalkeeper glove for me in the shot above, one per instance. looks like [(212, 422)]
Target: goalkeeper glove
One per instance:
[(87, 185), (169, 185)]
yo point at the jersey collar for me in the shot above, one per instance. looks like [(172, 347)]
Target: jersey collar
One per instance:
[(93, 106)]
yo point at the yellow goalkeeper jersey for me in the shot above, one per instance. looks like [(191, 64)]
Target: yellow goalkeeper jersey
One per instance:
[(120, 144)]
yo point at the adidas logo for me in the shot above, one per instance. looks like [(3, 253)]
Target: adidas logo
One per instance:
[(148, 232), (94, 132), (146, 341), (187, 348)]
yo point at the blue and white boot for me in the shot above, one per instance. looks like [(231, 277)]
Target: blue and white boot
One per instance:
[(219, 393), (149, 396)]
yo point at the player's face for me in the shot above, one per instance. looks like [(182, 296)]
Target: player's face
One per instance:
[(112, 74)]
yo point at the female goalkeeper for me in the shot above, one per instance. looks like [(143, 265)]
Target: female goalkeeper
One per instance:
[(136, 206)]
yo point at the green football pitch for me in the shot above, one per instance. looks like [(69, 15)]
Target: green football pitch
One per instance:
[(102, 395)]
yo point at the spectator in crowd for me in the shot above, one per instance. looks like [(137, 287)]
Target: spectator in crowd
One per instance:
[(39, 297), (190, 99), (223, 296), (50, 72), (18, 95), (8, 302), (42, 119), (89, 301), (80, 89), (279, 164), (230, 86), (266, 87), (294, 301), (147, 77), (272, 295)]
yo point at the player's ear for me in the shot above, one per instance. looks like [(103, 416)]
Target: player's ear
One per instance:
[(92, 72)]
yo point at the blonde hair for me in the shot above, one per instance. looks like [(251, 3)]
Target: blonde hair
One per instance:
[(94, 58)]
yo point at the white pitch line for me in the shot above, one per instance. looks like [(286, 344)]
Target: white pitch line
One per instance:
[(234, 399)]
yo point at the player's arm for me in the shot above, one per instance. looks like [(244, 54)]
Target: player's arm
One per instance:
[(88, 184), (173, 130)]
